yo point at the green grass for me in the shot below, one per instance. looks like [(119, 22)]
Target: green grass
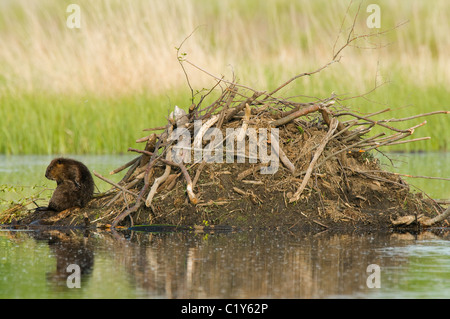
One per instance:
[(92, 90), (35, 124)]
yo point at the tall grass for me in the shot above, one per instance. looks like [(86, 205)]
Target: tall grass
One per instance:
[(92, 90)]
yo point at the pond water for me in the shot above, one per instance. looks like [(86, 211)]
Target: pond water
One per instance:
[(251, 264), (228, 265)]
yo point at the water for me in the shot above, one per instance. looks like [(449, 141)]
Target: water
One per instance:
[(434, 164), (233, 265), (253, 264)]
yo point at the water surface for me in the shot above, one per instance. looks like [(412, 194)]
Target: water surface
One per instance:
[(255, 264), (231, 265)]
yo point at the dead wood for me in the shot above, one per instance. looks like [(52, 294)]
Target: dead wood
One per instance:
[(333, 127), (306, 147), (349, 184)]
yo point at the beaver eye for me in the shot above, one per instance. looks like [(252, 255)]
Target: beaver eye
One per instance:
[(59, 161)]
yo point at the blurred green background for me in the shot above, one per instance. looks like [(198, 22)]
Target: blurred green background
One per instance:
[(92, 90)]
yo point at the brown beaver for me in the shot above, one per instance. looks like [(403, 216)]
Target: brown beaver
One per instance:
[(75, 185)]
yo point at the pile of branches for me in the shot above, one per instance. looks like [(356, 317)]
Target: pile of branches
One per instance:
[(345, 132), (241, 106)]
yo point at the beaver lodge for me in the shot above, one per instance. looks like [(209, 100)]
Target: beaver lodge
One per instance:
[(252, 159), (255, 159)]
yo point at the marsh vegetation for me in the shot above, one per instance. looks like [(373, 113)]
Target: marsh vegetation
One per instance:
[(92, 89)]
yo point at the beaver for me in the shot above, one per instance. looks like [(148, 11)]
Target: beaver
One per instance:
[(75, 185)]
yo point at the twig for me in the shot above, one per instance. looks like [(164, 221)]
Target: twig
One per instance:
[(181, 59), (366, 115), (116, 197), (189, 188), (121, 168), (431, 221), (347, 148), (415, 116), (197, 174), (294, 115), (216, 77), (333, 127), (285, 160), (242, 105), (232, 90), (381, 179), (407, 175), (159, 128), (299, 76), (380, 123), (158, 181), (400, 142), (123, 189)]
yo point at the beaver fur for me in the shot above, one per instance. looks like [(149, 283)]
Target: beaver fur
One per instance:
[(75, 185)]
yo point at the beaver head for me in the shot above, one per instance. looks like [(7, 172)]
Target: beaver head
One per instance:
[(64, 169)]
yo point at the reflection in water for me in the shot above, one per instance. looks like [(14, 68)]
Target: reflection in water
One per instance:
[(231, 265), (68, 250)]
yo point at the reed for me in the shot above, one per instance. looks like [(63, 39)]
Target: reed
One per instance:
[(121, 66), (38, 124)]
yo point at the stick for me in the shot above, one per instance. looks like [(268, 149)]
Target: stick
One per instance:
[(189, 188), (130, 172), (407, 175), (326, 117), (381, 179), (415, 116), (245, 121), (333, 127), (294, 115), (285, 160), (432, 221), (347, 148), (116, 197), (148, 169), (159, 128), (197, 174), (241, 106), (198, 138), (114, 184), (401, 142), (232, 90), (381, 123), (249, 171), (299, 76), (158, 181), (121, 168)]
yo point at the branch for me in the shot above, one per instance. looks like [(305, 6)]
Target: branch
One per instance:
[(294, 115), (189, 188), (333, 127), (114, 184)]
